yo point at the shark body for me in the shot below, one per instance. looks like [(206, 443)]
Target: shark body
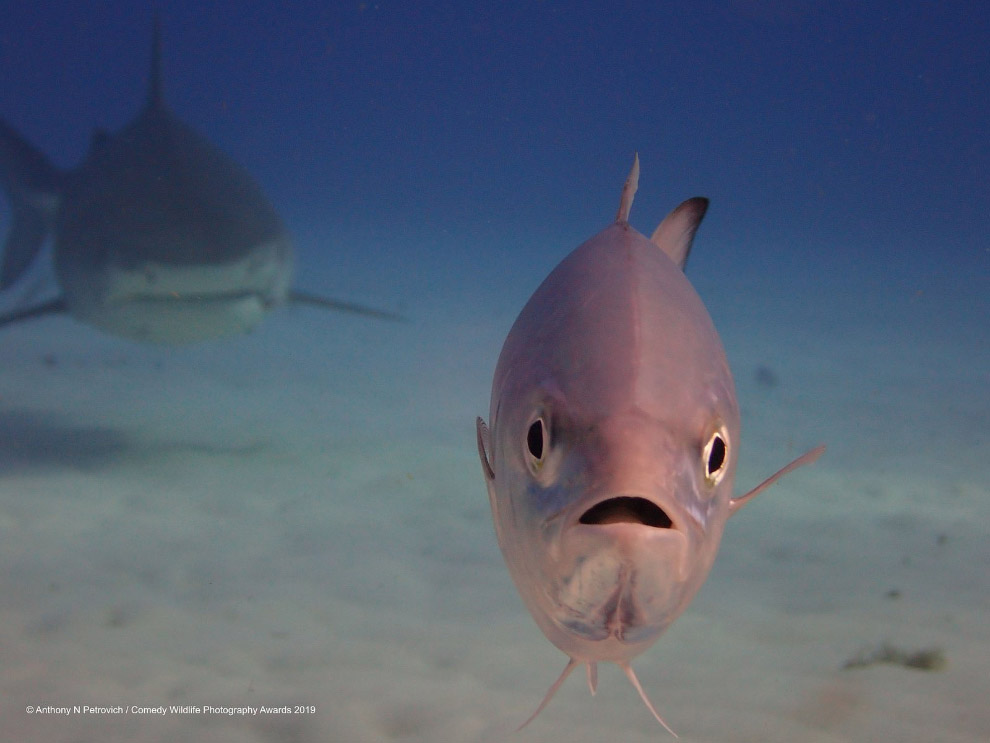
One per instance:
[(158, 236)]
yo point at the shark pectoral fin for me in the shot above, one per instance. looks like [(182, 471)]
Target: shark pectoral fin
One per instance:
[(571, 665), (807, 458), (297, 297), (676, 232), (631, 675), (48, 308)]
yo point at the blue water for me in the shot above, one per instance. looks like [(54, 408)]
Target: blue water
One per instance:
[(298, 517)]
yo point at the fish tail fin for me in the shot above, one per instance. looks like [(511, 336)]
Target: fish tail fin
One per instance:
[(571, 665), (32, 185), (27, 235), (631, 675), (51, 307)]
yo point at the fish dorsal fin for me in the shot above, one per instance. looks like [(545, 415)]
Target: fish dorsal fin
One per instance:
[(155, 97), (628, 192), (676, 232)]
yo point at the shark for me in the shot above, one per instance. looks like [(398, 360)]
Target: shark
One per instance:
[(613, 443), (157, 235)]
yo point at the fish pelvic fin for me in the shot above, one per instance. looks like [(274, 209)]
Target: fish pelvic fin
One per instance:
[(629, 192), (592, 669), (571, 665), (631, 675)]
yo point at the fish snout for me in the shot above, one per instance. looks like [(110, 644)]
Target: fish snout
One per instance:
[(634, 473), (642, 528)]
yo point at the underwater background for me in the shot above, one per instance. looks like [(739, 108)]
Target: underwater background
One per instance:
[(297, 516)]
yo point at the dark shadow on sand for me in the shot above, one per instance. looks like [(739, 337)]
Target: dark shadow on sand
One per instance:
[(44, 441), (35, 440)]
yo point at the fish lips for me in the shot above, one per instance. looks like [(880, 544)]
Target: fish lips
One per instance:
[(645, 530)]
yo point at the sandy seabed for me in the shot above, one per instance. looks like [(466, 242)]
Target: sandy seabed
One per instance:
[(297, 518)]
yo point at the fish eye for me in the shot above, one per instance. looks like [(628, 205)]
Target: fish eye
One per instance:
[(535, 440), (715, 457)]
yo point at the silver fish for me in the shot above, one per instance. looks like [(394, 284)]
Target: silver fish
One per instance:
[(613, 444)]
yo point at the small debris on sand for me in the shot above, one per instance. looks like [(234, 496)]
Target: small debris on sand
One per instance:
[(927, 659)]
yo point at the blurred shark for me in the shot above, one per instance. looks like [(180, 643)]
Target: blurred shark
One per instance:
[(613, 444), (158, 236)]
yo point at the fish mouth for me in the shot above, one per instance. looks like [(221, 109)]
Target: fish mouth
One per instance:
[(627, 510)]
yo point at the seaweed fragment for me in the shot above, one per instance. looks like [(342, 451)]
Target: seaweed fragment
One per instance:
[(926, 659)]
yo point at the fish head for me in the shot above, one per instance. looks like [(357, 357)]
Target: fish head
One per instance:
[(609, 525)]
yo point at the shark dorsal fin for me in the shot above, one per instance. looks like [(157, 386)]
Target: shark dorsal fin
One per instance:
[(155, 98)]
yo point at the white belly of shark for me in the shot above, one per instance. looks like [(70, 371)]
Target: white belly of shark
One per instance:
[(181, 304)]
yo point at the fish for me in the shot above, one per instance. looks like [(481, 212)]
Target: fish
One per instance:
[(158, 236), (613, 444)]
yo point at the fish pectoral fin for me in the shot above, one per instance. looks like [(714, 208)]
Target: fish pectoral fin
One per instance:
[(807, 458), (484, 445), (571, 665), (326, 303), (631, 675)]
